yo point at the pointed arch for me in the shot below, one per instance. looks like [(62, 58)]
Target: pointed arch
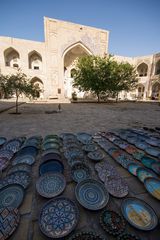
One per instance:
[(34, 60), (79, 43), (156, 90), (37, 81), (157, 68), (11, 57), (142, 69)]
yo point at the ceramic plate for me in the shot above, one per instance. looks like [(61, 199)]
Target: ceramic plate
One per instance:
[(89, 148), (112, 222), (143, 173), (153, 151), (6, 153), (153, 187), (86, 236), (132, 168), (96, 155), (58, 217), (2, 140), (52, 166), (12, 145), (28, 159), (11, 196), (139, 214), (80, 172), (20, 167), (147, 161), (29, 150), (128, 236), (156, 167), (51, 145), (9, 220), (51, 184), (51, 156), (20, 177), (4, 162), (91, 194), (116, 186), (84, 138), (50, 151)]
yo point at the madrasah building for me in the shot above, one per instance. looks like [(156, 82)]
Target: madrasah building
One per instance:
[(50, 64)]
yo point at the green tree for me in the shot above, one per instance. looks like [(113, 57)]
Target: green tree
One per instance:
[(19, 84), (4, 90), (103, 75)]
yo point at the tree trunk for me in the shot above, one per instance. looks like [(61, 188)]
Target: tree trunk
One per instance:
[(98, 98), (117, 97), (16, 104)]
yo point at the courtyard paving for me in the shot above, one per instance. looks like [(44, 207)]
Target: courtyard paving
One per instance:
[(75, 118)]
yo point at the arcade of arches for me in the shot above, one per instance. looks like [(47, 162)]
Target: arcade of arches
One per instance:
[(53, 61)]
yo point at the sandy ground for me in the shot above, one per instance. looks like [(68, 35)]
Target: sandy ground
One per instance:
[(77, 117)]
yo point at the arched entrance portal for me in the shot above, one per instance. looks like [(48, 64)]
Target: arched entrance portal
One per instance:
[(38, 82), (141, 89), (71, 56)]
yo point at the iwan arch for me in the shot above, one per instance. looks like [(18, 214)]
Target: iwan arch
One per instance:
[(50, 63)]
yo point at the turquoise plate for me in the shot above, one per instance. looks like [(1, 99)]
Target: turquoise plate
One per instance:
[(147, 161), (143, 173), (132, 168)]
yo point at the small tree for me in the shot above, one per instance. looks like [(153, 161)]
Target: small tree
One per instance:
[(19, 84), (90, 75), (4, 90), (103, 76)]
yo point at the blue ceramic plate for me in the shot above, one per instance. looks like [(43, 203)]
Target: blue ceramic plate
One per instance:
[(89, 147), (20, 167), (84, 138), (28, 159), (52, 166), (2, 140), (96, 155), (153, 187), (51, 184), (156, 167), (91, 194), (80, 172), (143, 173), (51, 156), (11, 196), (51, 151), (147, 161), (139, 214), (58, 217), (153, 151), (28, 150)]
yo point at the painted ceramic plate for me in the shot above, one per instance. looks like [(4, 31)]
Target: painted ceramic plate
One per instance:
[(51, 156), (20, 177), (12, 145), (9, 220), (156, 167), (20, 167), (128, 236), (50, 185), (29, 150), (143, 173), (4, 162), (2, 140), (153, 187), (139, 214), (89, 147), (86, 236), (91, 194), (116, 186), (96, 155), (51, 145), (84, 138), (28, 159), (112, 222), (132, 168), (11, 196), (6, 153), (51, 151), (141, 144), (73, 153), (52, 166), (80, 172), (153, 151), (147, 161), (58, 217)]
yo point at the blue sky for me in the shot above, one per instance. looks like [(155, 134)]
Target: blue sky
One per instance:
[(134, 25)]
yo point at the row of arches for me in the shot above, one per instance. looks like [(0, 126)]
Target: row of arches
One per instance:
[(155, 91), (12, 59), (142, 69)]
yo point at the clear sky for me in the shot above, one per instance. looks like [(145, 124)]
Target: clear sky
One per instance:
[(134, 25)]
